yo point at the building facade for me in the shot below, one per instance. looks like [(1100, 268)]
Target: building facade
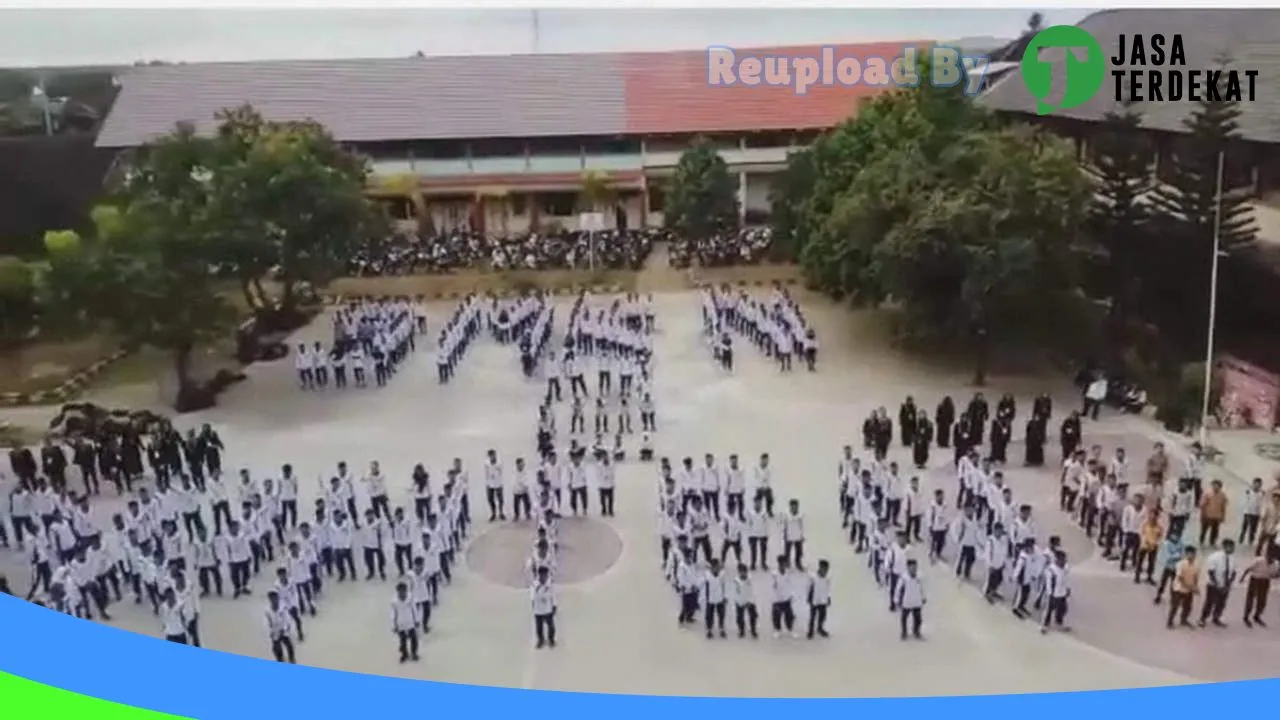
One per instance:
[(502, 144)]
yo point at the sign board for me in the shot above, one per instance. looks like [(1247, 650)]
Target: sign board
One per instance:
[(591, 221)]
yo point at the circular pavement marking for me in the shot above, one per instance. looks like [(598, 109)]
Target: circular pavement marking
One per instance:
[(588, 548)]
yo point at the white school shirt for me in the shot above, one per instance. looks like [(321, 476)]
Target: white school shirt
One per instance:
[(792, 527), (403, 532), (519, 481), (302, 359), (371, 535), (299, 569), (1252, 502), (1220, 570), (1057, 584), (757, 524), (543, 599), (577, 477), (82, 523), (820, 590), (742, 591), (735, 481), (764, 476), (554, 473), (714, 588), (493, 475), (1181, 503), (896, 559), (279, 622), (997, 552), (606, 476), (238, 548), (419, 585), (172, 621), (910, 592), (377, 484), (780, 590), (1119, 468), (204, 554), (967, 532), (404, 615), (893, 487), (340, 536), (1130, 520), (709, 478), (732, 528)]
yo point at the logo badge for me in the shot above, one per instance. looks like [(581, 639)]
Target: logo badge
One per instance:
[(1085, 70)]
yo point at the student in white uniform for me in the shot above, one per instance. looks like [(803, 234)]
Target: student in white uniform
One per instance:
[(520, 491), (302, 363), (493, 487), (793, 535), (1057, 590), (173, 624), (757, 528), (819, 598), (911, 601), (781, 592), (714, 594), (744, 602), (279, 629), (405, 617), (543, 599)]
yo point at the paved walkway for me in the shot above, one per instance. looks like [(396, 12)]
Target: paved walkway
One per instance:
[(618, 622)]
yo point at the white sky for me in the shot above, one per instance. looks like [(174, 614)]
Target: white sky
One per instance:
[(88, 37)]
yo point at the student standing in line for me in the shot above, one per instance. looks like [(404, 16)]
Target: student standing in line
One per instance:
[(190, 604), (1213, 510), (493, 487), (1171, 551), (371, 540), (1258, 576), (298, 570), (1186, 585), (995, 558), (543, 598), (686, 578), (714, 592), (911, 601), (783, 613), (1252, 503), (420, 591), (1220, 572), (819, 598), (968, 533), (404, 623), (793, 535), (172, 622), (339, 534), (1057, 591), (239, 555), (758, 535), (606, 481), (744, 602), (520, 491), (279, 625)]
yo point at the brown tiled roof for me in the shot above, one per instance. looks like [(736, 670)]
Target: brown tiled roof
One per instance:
[(669, 93), (476, 96)]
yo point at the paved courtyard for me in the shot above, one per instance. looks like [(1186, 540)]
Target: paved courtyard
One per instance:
[(617, 619)]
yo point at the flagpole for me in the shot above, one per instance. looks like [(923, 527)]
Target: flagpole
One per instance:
[(1213, 299)]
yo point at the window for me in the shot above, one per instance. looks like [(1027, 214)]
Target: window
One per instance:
[(769, 139), (440, 150), (558, 204), (611, 146), (497, 147), (518, 203)]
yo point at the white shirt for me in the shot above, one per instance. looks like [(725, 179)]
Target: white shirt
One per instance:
[(714, 590), (793, 527), (764, 476), (493, 475), (743, 591), (279, 622), (820, 590), (997, 554), (172, 621), (1056, 582), (543, 598), (1220, 570), (910, 592), (404, 615), (780, 587)]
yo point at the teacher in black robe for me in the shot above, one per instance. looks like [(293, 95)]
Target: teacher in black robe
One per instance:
[(946, 417), (907, 421), (922, 441)]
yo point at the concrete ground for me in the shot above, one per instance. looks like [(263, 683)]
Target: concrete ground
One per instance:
[(617, 620)]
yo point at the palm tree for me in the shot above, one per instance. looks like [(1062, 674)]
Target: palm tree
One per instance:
[(596, 193)]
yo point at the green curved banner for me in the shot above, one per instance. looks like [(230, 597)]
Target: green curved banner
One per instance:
[(27, 700)]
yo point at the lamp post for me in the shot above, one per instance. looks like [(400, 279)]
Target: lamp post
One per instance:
[(1213, 299)]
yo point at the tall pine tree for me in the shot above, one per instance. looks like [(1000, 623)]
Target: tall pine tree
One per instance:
[(1185, 210), (1118, 215)]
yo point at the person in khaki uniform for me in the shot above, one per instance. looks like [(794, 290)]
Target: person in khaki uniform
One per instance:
[(1269, 522), (1186, 585), (1213, 510)]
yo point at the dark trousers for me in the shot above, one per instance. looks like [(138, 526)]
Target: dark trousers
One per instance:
[(818, 620), (783, 616), (1255, 598), (497, 503), (408, 644), (544, 628), (210, 579), (715, 617), (375, 560), (578, 500), (759, 550), (794, 551), (345, 562), (606, 502), (747, 618), (1209, 531), (520, 504), (1179, 608), (910, 619), (282, 649), (239, 577), (688, 606), (1215, 601), (221, 514), (1248, 529)]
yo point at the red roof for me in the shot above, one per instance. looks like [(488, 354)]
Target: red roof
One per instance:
[(669, 93)]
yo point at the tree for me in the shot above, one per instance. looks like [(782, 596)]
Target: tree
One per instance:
[(1118, 215), (149, 281), (966, 227), (787, 199), (1035, 23), (1186, 207), (284, 197), (703, 199), (18, 306)]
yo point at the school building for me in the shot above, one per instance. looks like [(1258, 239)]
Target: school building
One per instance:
[(503, 143)]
